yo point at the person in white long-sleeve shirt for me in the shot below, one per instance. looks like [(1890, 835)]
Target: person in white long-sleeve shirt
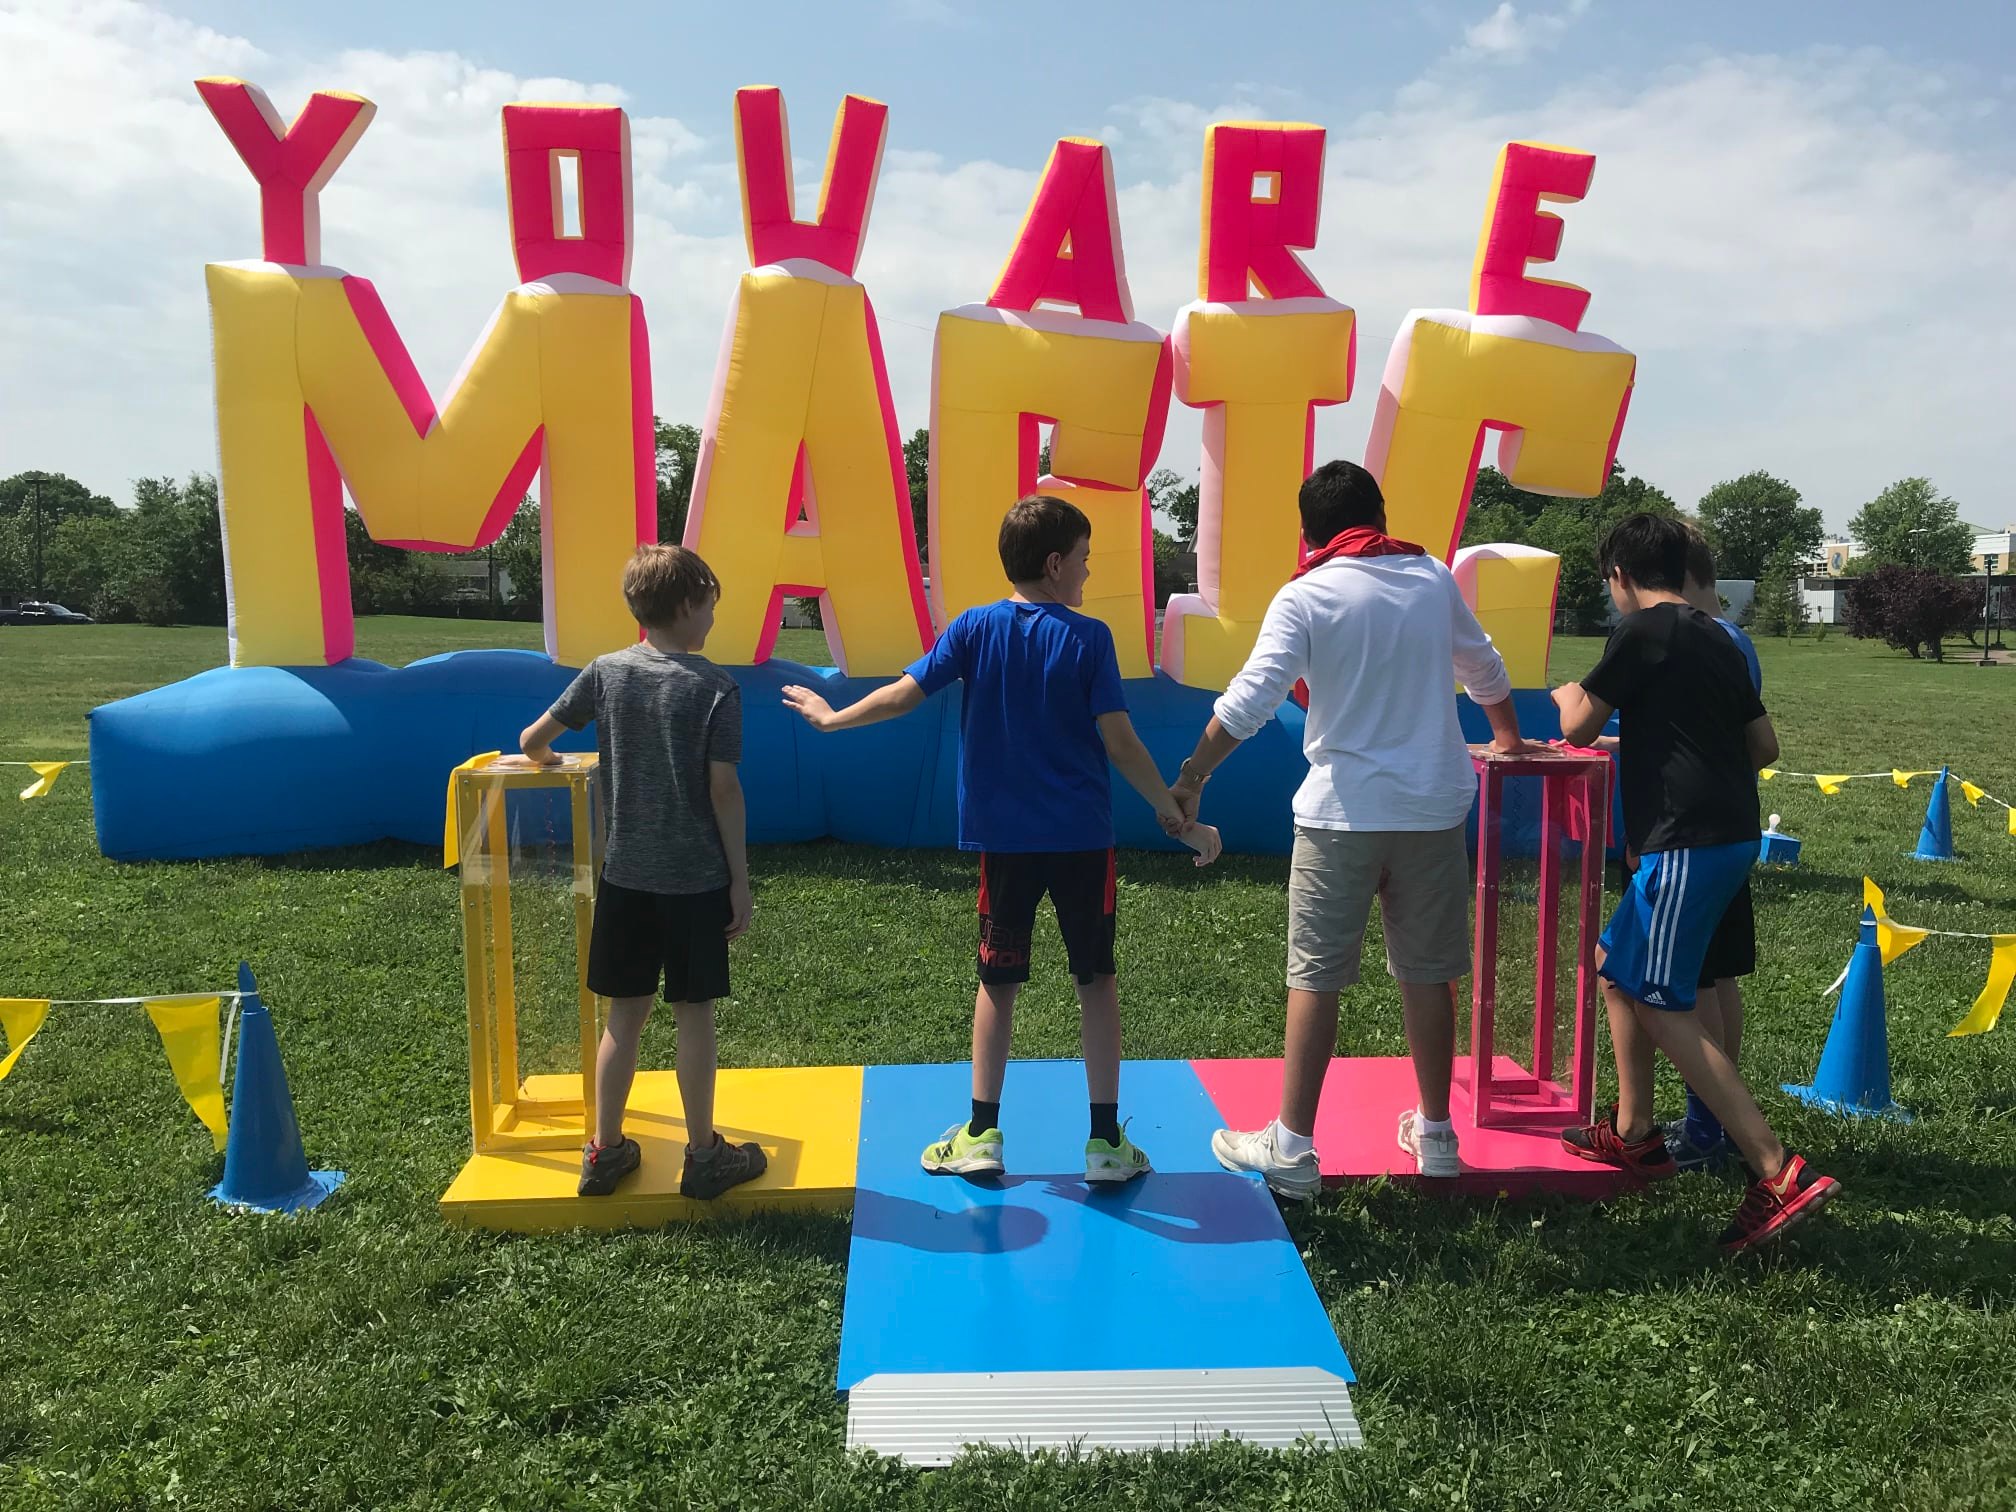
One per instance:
[(1374, 627)]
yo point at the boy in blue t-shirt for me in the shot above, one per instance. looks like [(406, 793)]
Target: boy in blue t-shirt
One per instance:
[(1042, 717)]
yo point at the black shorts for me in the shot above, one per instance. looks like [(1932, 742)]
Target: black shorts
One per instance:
[(1080, 884), (643, 937), (1732, 949)]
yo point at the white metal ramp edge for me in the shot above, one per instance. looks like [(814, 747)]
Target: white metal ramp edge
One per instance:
[(926, 1419)]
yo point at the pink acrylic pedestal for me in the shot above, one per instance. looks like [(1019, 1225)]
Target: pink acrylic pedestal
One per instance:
[(1509, 1121), (1574, 805)]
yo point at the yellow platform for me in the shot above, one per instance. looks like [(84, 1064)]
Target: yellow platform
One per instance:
[(807, 1118)]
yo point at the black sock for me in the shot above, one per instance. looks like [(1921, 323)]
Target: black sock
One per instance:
[(986, 1116), (1106, 1122)]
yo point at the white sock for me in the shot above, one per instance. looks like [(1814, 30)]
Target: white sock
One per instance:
[(1294, 1146), (1435, 1125)]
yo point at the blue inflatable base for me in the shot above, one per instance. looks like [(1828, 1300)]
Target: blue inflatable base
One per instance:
[(251, 761)]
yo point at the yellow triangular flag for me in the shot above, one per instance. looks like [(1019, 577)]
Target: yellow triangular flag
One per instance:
[(451, 841), (20, 1017), (2012, 821), (46, 773), (1988, 1007), (1831, 785), (190, 1034), (1972, 794), (1903, 779), (1768, 773), (1892, 938)]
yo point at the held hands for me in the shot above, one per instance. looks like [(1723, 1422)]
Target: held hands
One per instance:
[(741, 906), (1178, 825), (1203, 839), (803, 701)]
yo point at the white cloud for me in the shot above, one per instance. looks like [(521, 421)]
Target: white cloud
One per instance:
[(1806, 251), (1508, 37)]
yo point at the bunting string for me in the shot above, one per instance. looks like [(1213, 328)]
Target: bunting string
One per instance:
[(1894, 939), (46, 773), (1831, 783), (197, 1045)]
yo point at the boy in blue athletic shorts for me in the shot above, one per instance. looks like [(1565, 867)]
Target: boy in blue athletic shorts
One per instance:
[(1693, 736), (1043, 714)]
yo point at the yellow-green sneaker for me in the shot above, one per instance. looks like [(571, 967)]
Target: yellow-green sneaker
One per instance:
[(1115, 1162), (963, 1153)]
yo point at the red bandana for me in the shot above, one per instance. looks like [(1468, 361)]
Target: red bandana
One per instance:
[(1358, 541)]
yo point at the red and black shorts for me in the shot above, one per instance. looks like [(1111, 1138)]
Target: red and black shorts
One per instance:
[(1080, 884)]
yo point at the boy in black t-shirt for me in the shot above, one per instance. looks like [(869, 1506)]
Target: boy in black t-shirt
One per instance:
[(1694, 734)]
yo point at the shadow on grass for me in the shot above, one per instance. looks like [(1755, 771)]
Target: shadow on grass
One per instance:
[(1899, 884), (1872, 1239)]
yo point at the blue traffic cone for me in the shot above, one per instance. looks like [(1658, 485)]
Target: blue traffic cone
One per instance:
[(1854, 1074), (1935, 840), (264, 1165)]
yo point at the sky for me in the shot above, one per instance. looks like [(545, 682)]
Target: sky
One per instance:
[(1803, 219)]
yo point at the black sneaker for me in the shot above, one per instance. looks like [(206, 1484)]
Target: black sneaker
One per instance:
[(709, 1173), (602, 1166), (1646, 1158)]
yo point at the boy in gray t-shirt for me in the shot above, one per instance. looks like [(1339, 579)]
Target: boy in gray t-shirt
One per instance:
[(675, 881)]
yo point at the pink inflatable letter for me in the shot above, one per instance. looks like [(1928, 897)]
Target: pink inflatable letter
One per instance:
[(1068, 249), (292, 163)]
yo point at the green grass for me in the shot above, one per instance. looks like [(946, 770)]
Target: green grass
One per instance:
[(1538, 1354)]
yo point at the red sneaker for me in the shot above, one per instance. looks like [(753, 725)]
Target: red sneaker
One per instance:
[(1771, 1207), (1648, 1159)]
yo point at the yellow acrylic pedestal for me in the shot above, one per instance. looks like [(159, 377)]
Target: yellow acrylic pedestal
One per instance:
[(807, 1118), (528, 1130)]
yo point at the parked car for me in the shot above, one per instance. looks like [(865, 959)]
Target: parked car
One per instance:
[(30, 612)]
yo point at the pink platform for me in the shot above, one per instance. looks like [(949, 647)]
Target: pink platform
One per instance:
[(1363, 1098)]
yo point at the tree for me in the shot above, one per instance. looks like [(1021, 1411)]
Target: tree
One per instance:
[(1169, 576), (1912, 524), (1567, 528), (1776, 610), (518, 557), (917, 470), (35, 504), (63, 498), (1749, 520), (1910, 607), (391, 579), (1168, 492), (678, 460), (1570, 528), (181, 547)]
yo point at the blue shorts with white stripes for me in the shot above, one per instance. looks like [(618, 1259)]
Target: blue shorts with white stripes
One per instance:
[(1656, 940)]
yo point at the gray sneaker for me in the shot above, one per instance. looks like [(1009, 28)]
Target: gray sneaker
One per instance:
[(709, 1173), (602, 1166), (1298, 1180)]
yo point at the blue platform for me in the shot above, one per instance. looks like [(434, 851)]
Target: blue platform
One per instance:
[(1035, 1310)]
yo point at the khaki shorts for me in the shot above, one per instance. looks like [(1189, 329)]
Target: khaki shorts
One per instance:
[(1423, 882)]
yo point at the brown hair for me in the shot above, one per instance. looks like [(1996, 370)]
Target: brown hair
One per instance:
[(1033, 529), (1700, 558), (662, 582)]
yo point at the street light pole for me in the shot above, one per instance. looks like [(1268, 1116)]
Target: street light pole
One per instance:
[(35, 484), (1987, 603)]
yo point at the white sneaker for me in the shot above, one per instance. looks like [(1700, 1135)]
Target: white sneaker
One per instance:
[(1298, 1180), (1434, 1154)]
